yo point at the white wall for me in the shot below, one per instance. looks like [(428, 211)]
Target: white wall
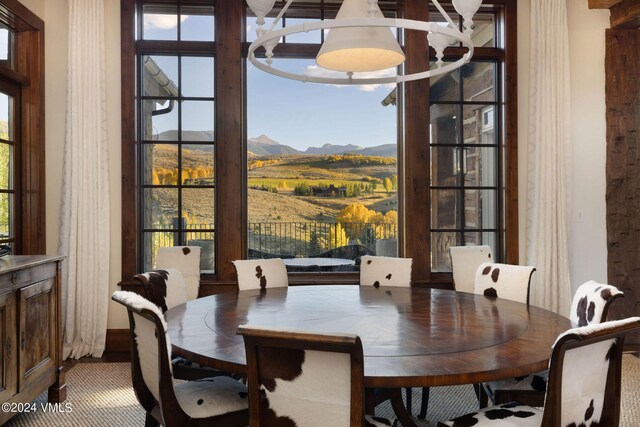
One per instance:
[(588, 238)]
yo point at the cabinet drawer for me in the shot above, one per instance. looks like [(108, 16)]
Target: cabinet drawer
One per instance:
[(26, 276)]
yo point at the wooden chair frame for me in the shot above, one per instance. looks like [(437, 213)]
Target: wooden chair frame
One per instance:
[(255, 338), (179, 372), (552, 412), (611, 409), (167, 411), (532, 397)]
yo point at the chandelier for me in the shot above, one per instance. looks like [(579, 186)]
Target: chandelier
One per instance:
[(360, 40)]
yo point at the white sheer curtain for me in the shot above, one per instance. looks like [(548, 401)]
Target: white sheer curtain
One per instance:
[(548, 168), (84, 223)]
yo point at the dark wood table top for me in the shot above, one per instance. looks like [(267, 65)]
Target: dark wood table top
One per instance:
[(412, 337)]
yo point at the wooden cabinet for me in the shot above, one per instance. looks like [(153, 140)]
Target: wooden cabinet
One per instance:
[(30, 330), (8, 349)]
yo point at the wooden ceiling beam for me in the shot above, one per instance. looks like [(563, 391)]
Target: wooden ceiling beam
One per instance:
[(602, 4), (626, 14)]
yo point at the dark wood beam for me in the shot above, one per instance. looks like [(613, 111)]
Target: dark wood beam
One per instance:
[(602, 4), (626, 14), (414, 154), (130, 244), (622, 86), (231, 153), (511, 238)]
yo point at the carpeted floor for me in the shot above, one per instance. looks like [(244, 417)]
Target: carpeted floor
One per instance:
[(100, 395)]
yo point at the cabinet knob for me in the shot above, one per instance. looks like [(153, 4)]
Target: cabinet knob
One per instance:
[(15, 277)]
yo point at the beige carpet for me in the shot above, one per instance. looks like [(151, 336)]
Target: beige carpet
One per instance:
[(100, 395)]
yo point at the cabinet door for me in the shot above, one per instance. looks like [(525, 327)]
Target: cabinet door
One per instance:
[(37, 331), (8, 346)]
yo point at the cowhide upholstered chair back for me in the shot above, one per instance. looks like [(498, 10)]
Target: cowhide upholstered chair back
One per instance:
[(148, 328), (219, 401), (504, 281), (305, 380), (164, 288), (589, 306), (464, 263), (385, 271), (186, 259), (584, 375), (584, 383), (591, 302), (261, 273)]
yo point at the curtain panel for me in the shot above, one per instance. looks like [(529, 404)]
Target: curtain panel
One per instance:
[(549, 156), (84, 227)]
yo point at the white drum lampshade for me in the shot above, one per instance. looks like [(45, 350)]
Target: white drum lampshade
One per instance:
[(359, 48)]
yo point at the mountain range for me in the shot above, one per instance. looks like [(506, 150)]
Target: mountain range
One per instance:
[(265, 146)]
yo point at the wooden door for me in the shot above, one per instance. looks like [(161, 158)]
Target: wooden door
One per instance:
[(37, 330), (8, 346)]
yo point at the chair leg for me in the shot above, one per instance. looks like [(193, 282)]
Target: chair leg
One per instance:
[(409, 392), (483, 398), (424, 403), (150, 421)]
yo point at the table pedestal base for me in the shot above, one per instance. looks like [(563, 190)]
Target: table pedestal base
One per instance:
[(373, 397)]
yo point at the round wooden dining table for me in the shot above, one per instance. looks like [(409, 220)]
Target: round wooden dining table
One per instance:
[(411, 337)]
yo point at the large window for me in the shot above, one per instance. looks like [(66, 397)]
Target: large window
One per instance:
[(246, 164), (465, 154), (8, 124), (22, 179), (322, 163), (176, 129)]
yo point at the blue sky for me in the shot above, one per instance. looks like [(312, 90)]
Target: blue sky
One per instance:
[(310, 114), (297, 114)]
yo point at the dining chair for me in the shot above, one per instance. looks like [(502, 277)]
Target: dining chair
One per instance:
[(385, 271), (302, 379), (164, 288), (261, 273), (187, 260), (167, 289), (584, 383), (219, 401), (589, 306), (504, 281), (379, 271), (464, 263)]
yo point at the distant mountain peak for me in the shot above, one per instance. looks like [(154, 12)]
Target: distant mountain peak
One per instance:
[(265, 146), (264, 140)]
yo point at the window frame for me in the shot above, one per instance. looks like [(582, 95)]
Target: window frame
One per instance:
[(230, 50), (13, 90), (25, 72)]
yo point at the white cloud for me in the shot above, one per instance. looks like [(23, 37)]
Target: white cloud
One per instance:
[(162, 21), (316, 71)]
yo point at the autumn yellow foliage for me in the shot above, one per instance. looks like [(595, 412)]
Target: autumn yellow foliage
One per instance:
[(337, 236), (359, 214), (164, 176)]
